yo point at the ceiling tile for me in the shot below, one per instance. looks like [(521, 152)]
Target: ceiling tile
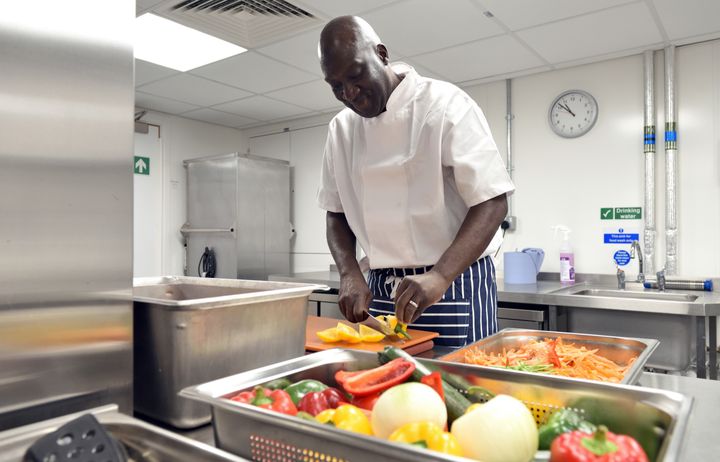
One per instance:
[(262, 108), (422, 70), (219, 118), (146, 72), (688, 18), (195, 90), (253, 72), (314, 95), (431, 25), (484, 58), (519, 14), (157, 103), (609, 31), (300, 51), (333, 8), (142, 5)]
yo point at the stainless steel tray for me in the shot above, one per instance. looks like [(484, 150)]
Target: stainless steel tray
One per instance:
[(618, 349), (656, 418), (143, 442), (189, 330)]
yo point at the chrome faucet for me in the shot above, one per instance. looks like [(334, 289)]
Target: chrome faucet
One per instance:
[(661, 279), (621, 279), (635, 248)]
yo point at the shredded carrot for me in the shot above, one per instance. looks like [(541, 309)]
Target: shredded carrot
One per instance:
[(566, 359)]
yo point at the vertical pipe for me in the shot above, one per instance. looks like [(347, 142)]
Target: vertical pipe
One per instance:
[(670, 164), (508, 119), (649, 150)]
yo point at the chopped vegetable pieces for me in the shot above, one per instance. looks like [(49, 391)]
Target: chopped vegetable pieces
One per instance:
[(553, 357)]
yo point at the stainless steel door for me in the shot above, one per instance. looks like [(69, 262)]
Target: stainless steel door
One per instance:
[(263, 233), (211, 196)]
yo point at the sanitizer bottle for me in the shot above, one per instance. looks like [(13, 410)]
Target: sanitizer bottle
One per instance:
[(567, 257)]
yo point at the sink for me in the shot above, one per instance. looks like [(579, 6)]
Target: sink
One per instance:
[(645, 295)]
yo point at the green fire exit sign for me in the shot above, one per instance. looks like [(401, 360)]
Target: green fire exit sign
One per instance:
[(141, 165), (620, 213)]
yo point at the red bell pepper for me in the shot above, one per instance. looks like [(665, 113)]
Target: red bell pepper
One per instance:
[(368, 382), (365, 402), (434, 380), (317, 401), (602, 446), (274, 400), (552, 354)]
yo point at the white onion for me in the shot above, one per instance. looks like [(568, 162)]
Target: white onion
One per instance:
[(407, 403)]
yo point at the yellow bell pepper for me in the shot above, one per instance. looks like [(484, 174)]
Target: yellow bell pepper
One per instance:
[(473, 407), (429, 435), (398, 327), (346, 417)]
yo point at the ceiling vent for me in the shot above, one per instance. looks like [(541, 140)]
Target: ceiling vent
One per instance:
[(248, 23)]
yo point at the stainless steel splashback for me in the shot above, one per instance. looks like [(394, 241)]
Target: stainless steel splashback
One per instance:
[(66, 107)]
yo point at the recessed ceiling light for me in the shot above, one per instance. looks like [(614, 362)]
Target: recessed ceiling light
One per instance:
[(173, 45)]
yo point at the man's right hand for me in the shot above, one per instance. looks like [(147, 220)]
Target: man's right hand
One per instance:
[(354, 298)]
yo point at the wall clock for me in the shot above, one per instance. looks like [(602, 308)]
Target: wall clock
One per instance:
[(573, 113)]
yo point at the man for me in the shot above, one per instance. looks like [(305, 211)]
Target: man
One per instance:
[(411, 171)]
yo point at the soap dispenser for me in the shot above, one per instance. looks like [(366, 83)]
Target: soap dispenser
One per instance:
[(567, 257)]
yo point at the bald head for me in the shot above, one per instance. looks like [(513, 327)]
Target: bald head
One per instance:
[(346, 33), (356, 65)]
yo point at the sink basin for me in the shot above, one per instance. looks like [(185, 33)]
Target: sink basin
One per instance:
[(646, 295)]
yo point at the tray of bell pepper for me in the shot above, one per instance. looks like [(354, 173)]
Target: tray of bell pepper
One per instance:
[(403, 401)]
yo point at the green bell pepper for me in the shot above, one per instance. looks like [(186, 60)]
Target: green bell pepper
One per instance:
[(562, 421), (277, 384), (299, 389)]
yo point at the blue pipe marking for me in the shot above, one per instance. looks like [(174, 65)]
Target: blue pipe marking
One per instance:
[(671, 136)]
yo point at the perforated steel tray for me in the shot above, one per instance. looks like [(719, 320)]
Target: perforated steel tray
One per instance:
[(621, 350), (656, 418)]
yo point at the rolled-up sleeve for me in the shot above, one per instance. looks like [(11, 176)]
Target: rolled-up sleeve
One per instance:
[(469, 150), (327, 196)]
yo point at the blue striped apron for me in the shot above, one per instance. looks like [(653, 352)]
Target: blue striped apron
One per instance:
[(466, 312)]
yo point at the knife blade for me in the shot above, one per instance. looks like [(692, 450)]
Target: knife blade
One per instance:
[(378, 324)]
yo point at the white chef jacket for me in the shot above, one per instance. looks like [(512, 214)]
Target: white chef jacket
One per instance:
[(406, 178)]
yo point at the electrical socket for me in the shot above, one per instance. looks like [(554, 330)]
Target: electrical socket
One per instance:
[(509, 223)]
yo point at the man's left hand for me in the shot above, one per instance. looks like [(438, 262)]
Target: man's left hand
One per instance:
[(416, 293)]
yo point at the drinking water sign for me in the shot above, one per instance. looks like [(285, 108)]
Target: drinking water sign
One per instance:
[(621, 213)]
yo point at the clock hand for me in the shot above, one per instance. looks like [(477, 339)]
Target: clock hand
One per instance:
[(567, 108)]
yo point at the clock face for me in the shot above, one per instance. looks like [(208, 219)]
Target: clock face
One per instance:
[(573, 113)]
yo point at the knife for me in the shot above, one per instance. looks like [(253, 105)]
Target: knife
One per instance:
[(384, 328)]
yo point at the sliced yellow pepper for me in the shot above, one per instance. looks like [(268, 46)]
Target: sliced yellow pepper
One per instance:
[(346, 417), (429, 435), (399, 328)]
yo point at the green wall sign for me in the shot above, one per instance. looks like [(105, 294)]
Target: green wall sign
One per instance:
[(141, 165), (620, 213)]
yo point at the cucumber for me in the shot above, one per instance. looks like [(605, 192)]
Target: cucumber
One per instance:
[(455, 402)]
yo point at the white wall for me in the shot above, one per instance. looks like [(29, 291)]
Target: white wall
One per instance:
[(148, 206), (568, 180), (185, 139)]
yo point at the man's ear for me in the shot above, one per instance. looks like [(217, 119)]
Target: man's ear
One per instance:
[(382, 52)]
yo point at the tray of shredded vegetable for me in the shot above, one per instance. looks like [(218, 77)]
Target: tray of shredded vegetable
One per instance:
[(580, 356)]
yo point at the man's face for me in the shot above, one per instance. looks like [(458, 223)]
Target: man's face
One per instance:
[(359, 79)]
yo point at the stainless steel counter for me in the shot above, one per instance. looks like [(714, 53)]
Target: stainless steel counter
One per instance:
[(699, 314)]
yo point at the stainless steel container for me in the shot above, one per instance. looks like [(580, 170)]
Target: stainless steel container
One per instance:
[(190, 330), (658, 419), (620, 350), (143, 442)]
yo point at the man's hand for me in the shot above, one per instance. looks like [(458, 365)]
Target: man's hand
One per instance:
[(354, 298), (416, 293)]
